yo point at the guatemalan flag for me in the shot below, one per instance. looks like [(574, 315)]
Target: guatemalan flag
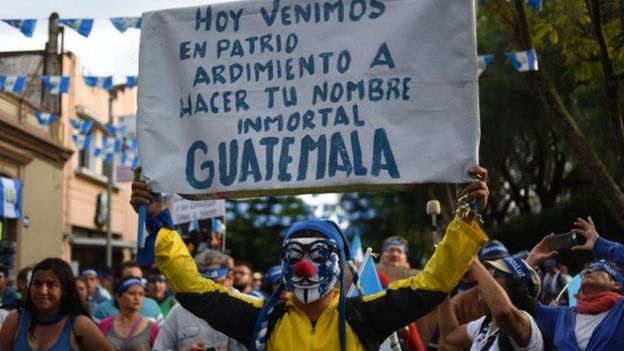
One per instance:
[(82, 142), (110, 147), (123, 23), (82, 26), (56, 84), (45, 118), (81, 125), (26, 26), (483, 62), (14, 84), (10, 198), (523, 61), (105, 83), (356, 247)]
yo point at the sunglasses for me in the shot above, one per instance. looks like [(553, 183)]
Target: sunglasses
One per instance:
[(319, 251)]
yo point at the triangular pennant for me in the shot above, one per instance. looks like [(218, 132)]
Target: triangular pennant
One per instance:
[(123, 23), (56, 84), (14, 84), (26, 26), (105, 83), (45, 118), (82, 26)]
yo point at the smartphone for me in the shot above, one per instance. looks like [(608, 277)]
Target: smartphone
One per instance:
[(563, 241)]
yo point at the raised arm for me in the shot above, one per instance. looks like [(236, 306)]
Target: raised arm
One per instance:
[(601, 248)]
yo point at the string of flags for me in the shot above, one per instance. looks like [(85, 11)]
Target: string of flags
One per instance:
[(81, 25), (59, 84), (116, 142)]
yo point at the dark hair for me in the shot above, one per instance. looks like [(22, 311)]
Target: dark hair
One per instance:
[(127, 264), (244, 263), (117, 285), (70, 300)]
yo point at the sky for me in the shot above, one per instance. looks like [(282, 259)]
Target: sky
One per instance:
[(106, 51)]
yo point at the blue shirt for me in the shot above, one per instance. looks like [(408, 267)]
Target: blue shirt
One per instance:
[(150, 309)]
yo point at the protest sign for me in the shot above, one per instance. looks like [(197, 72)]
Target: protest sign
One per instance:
[(255, 97), (184, 211)]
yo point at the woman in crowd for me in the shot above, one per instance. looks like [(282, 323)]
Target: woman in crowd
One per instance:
[(509, 287), (83, 292), (129, 331), (54, 318), (597, 322)]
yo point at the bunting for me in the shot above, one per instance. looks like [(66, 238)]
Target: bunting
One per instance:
[(83, 126), (484, 61), (45, 118), (523, 61), (105, 83), (123, 23), (131, 81), (14, 84), (56, 84), (82, 26), (82, 142), (26, 26)]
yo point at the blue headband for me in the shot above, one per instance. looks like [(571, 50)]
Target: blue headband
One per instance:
[(605, 266), (127, 284), (273, 275), (395, 242), (88, 272), (491, 251), (214, 273), (519, 269), (155, 279)]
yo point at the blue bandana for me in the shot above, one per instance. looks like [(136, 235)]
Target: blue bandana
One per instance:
[(123, 287), (605, 266), (88, 272), (395, 243), (214, 273), (519, 269), (492, 251)]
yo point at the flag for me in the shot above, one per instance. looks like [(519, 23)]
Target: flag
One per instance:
[(194, 226), (81, 125), (131, 81), (45, 118), (484, 61), (110, 147), (105, 83), (536, 4), (130, 159), (356, 247), (56, 84), (82, 26), (574, 286), (82, 142), (26, 26), (123, 23), (119, 131), (10, 198), (523, 61), (14, 84), (218, 226)]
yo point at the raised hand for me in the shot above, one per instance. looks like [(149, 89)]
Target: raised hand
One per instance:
[(588, 230), (540, 253)]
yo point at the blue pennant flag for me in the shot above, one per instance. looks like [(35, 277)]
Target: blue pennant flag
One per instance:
[(523, 61), (14, 84), (369, 280), (26, 26), (123, 23), (82, 26), (356, 247), (484, 61), (45, 118), (131, 81), (574, 287), (56, 84), (81, 125), (82, 142), (131, 144), (130, 159), (536, 4), (218, 226), (105, 83), (110, 147), (10, 198)]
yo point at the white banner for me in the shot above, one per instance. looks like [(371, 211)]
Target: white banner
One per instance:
[(252, 97), (184, 211)]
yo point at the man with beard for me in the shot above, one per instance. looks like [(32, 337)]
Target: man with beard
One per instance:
[(316, 315)]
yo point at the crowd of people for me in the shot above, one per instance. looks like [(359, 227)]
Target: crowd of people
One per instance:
[(473, 294)]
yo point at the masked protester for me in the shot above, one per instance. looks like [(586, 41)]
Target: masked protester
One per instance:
[(316, 315)]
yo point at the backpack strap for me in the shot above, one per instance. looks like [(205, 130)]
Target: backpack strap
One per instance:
[(484, 326)]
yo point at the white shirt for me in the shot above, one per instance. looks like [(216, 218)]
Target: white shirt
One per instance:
[(585, 326), (536, 343)]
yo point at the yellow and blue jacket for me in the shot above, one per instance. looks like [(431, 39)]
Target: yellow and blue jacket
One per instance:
[(370, 320)]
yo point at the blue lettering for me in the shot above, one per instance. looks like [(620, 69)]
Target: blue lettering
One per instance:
[(285, 160), (270, 143), (383, 57), (249, 163), (225, 178), (308, 145), (382, 149), (337, 148), (191, 178)]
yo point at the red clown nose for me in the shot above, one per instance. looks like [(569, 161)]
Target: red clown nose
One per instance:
[(304, 269)]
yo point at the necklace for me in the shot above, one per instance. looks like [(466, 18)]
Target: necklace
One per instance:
[(55, 318)]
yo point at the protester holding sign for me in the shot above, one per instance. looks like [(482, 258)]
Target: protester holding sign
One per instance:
[(314, 259)]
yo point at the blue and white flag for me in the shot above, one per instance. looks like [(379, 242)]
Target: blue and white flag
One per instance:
[(218, 226), (523, 61), (56, 84), (119, 131), (110, 147), (105, 83), (356, 247), (81, 125), (536, 4), (10, 198), (194, 226), (484, 61), (131, 144), (45, 118), (574, 287), (82, 26), (26, 26), (82, 142), (131, 81), (369, 280), (14, 84), (130, 159), (123, 23)]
